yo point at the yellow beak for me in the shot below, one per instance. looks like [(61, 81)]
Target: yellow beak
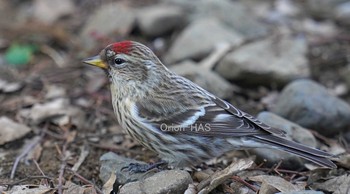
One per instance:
[(96, 61)]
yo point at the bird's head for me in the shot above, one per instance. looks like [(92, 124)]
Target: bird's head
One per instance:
[(128, 63)]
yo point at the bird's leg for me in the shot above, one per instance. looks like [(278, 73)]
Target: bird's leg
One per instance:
[(141, 168)]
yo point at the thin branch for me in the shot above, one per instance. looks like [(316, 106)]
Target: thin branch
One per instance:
[(23, 154), (280, 170), (84, 180), (38, 167), (250, 186), (83, 154), (26, 179)]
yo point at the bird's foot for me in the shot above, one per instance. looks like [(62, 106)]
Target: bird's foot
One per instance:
[(141, 168)]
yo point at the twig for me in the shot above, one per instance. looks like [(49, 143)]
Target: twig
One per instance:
[(54, 135), (280, 170), (327, 140), (64, 157), (63, 166), (344, 143), (38, 167), (26, 179), (56, 57), (275, 169), (84, 180), (83, 154), (58, 149), (250, 186), (220, 50), (302, 178), (23, 154)]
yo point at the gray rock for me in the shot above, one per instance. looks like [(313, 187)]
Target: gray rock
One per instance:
[(310, 105), (205, 78), (168, 181), (50, 11), (293, 132), (335, 185), (302, 192), (199, 38), (271, 60), (322, 8), (232, 13), (345, 74), (287, 8), (109, 19), (347, 136), (342, 12), (159, 19), (319, 28), (271, 157), (113, 163)]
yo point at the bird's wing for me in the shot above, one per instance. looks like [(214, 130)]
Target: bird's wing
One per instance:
[(235, 111), (215, 117), (224, 121)]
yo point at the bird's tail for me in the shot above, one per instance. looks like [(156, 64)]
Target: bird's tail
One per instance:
[(317, 156)]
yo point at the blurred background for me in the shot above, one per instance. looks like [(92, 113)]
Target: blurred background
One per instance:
[(289, 58)]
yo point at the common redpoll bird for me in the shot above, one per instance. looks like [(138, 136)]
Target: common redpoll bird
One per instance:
[(179, 120)]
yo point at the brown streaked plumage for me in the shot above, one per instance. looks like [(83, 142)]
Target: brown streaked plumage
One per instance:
[(179, 120)]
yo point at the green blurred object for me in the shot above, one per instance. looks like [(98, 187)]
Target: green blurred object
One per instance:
[(19, 54)]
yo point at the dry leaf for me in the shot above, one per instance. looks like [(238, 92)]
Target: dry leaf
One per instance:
[(7, 87), (277, 182), (337, 185), (28, 189), (344, 160), (76, 189), (52, 110), (10, 130), (191, 189), (108, 186), (219, 177), (267, 189), (335, 148)]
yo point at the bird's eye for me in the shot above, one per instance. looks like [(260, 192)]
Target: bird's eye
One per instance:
[(119, 61)]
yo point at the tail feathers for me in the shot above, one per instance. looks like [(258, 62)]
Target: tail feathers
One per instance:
[(317, 156), (322, 161)]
